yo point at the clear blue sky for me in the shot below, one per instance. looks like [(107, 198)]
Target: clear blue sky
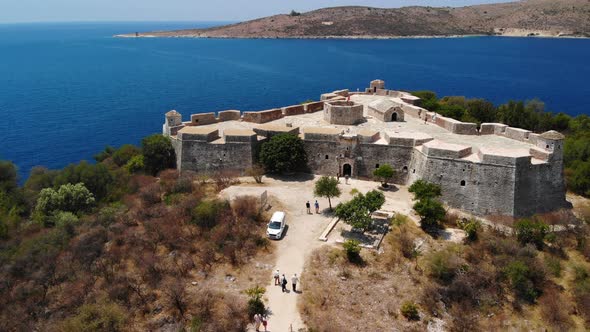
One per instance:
[(182, 10)]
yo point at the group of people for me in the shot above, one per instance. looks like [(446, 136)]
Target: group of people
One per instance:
[(260, 319), (316, 205), (282, 281)]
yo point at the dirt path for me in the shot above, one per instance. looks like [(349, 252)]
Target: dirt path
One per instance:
[(302, 235)]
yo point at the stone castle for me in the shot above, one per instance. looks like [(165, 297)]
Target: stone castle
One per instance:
[(491, 169)]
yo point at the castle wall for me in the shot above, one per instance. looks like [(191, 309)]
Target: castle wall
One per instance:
[(293, 110), (203, 119), (539, 188), (374, 155), (263, 116), (229, 115), (313, 106), (211, 157), (488, 188)]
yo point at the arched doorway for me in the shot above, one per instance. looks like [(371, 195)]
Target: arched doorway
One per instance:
[(346, 170), (394, 116)]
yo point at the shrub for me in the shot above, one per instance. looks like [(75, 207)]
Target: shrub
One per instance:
[(522, 280), (431, 212), (553, 264), (206, 212), (256, 171), (283, 153), (471, 227), (255, 304), (65, 219), (531, 231), (158, 153), (69, 197), (357, 211), (352, 249), (327, 186), (385, 172), (124, 154), (444, 265), (135, 164), (423, 189), (97, 178), (96, 317), (410, 310)]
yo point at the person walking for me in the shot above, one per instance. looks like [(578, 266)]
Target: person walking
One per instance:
[(257, 321), (284, 283), (317, 206), (308, 206), (265, 322), (294, 281), (277, 277)]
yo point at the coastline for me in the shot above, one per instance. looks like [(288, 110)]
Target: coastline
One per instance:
[(363, 37)]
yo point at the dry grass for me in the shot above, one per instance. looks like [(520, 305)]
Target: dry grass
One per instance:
[(462, 285)]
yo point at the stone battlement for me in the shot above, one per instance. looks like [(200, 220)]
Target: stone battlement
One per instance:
[(493, 169)]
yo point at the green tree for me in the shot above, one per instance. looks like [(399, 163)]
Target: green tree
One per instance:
[(352, 249), (255, 304), (8, 176), (158, 153), (481, 110), (531, 231), (135, 164), (68, 197), (104, 154), (424, 189), (125, 153), (384, 173), (357, 211), (374, 200), (431, 212), (283, 153), (327, 186), (96, 178)]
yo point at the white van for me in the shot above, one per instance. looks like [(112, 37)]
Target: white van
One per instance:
[(276, 226)]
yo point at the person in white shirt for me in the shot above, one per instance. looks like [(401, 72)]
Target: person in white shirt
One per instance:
[(294, 281)]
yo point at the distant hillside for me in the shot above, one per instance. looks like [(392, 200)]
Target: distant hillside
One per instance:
[(523, 18)]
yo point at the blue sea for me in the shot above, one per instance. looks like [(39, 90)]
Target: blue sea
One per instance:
[(67, 90)]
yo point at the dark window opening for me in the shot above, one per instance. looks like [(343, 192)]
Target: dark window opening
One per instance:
[(405, 169), (376, 165), (327, 157), (393, 116), (547, 146), (414, 170), (463, 183)]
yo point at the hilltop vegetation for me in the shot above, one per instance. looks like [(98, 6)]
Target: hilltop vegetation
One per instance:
[(529, 115), (95, 247), (534, 280), (529, 17)]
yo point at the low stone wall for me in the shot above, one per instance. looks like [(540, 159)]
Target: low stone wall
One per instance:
[(517, 134), (270, 130), (510, 157), (263, 116), (321, 134), (230, 115), (456, 127), (293, 110), (199, 135), (203, 119), (313, 106), (239, 136), (343, 92), (492, 128), (368, 135), (445, 150)]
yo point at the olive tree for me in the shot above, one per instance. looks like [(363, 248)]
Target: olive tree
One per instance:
[(384, 173), (283, 153), (327, 186)]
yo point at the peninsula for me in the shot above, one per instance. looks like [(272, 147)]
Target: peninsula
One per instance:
[(540, 18)]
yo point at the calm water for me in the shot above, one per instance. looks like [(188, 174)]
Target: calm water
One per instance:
[(67, 90)]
